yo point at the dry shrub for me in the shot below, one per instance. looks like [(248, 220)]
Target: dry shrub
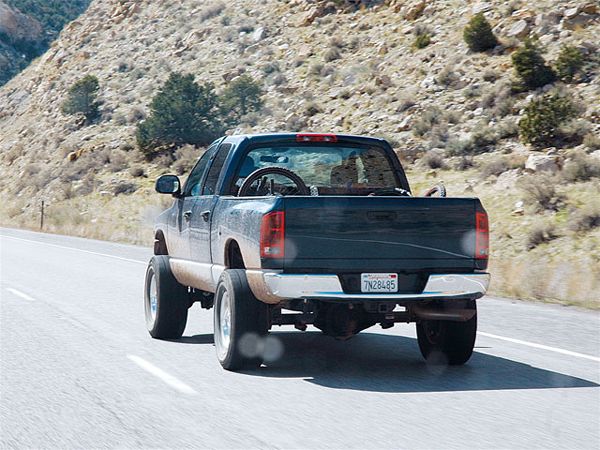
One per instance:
[(135, 115), (14, 152), (434, 160), (575, 131), (164, 161), (507, 128), (137, 172), (331, 54), (315, 68), (430, 117), (491, 75), (495, 167), (482, 140), (43, 178), (449, 77), (336, 42), (211, 11), (118, 161), (540, 233), (586, 218), (125, 187), (406, 100), (14, 208), (87, 185), (591, 141), (580, 167), (31, 169), (185, 158), (438, 136), (498, 100), (464, 163), (311, 109), (422, 34), (88, 162), (67, 191), (540, 192)]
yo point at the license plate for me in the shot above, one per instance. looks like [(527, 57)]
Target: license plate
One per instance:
[(379, 282)]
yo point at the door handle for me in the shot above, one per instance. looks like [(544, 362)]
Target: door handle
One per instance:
[(205, 215), (187, 215)]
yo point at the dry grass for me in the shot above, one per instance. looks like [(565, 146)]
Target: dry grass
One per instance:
[(96, 216), (565, 282)]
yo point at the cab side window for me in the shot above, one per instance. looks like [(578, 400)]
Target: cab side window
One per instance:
[(210, 185), (194, 181)]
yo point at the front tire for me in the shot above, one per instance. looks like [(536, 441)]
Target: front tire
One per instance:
[(240, 322), (165, 301), (445, 342)]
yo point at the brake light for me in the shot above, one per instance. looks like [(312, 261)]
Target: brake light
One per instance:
[(482, 236), (272, 235), (313, 137)]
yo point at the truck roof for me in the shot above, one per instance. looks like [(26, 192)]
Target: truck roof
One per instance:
[(286, 137)]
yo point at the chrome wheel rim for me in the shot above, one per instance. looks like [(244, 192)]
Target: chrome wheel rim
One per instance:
[(223, 325), (153, 298)]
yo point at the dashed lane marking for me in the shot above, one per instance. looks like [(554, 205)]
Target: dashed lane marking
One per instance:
[(20, 294), (539, 346), (161, 374)]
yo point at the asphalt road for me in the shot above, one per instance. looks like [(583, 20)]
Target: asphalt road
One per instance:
[(79, 370)]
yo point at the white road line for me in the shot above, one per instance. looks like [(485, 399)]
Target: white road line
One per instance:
[(76, 249), (164, 376), (540, 346), (21, 294)]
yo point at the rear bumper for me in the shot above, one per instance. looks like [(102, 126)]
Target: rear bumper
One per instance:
[(272, 287)]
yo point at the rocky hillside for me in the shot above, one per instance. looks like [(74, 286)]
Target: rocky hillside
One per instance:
[(353, 67), (27, 27), (20, 38)]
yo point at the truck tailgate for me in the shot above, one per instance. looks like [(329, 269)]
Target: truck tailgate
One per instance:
[(379, 234)]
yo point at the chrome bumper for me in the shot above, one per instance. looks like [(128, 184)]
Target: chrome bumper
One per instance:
[(272, 287)]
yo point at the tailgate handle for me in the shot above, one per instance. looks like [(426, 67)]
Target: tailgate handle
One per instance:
[(381, 215)]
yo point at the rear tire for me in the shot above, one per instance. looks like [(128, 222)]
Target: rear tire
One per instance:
[(240, 322), (445, 342), (165, 301)]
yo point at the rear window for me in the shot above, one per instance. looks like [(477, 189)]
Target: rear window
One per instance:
[(331, 170)]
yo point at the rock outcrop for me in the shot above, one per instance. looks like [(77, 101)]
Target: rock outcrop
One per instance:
[(21, 37)]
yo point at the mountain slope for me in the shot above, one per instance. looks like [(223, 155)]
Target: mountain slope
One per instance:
[(345, 70), (27, 27), (21, 38)]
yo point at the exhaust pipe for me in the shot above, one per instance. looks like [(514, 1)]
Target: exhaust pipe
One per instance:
[(454, 315)]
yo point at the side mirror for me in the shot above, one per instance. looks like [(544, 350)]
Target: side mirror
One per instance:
[(168, 184)]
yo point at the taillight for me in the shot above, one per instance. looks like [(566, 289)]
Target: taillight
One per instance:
[(482, 236), (314, 137), (272, 235)]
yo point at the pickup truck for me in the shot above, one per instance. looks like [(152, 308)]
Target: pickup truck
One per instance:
[(315, 229)]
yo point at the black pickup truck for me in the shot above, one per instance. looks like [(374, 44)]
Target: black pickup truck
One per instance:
[(315, 229)]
